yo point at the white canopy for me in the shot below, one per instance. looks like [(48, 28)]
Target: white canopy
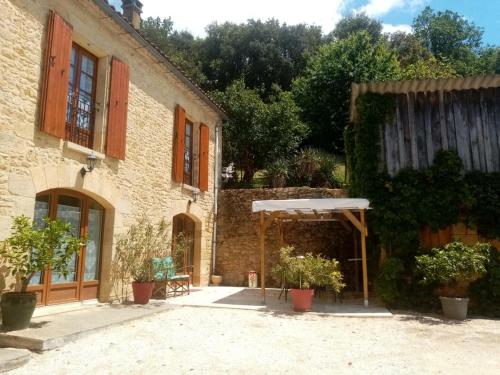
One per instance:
[(319, 204)]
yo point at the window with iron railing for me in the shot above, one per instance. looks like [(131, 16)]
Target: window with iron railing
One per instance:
[(188, 154), (80, 112)]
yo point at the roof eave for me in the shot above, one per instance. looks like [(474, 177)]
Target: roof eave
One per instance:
[(106, 8)]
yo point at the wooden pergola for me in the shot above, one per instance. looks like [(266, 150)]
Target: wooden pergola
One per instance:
[(343, 210)]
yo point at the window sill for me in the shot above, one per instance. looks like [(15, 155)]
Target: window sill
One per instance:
[(190, 188), (82, 150)]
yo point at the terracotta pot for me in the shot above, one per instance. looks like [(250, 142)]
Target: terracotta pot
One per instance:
[(17, 310), (142, 292), (216, 279), (302, 299)]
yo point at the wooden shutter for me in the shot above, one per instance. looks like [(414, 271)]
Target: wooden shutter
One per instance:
[(56, 76), (203, 167), (180, 128), (117, 111)]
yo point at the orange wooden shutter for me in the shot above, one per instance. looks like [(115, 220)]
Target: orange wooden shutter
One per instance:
[(203, 167), (56, 78), (117, 112), (180, 128)]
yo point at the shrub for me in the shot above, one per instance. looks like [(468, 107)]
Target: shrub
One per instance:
[(30, 250), (485, 292), (388, 284), (277, 173), (134, 250), (309, 271), (305, 165), (453, 267)]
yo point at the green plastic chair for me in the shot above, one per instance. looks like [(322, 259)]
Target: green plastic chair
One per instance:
[(166, 282)]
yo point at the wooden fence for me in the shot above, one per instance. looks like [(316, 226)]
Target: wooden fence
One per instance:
[(425, 122)]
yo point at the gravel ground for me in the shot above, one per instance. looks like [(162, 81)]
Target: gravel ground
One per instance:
[(218, 341)]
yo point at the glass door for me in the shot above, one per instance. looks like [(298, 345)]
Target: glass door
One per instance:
[(65, 289), (86, 218)]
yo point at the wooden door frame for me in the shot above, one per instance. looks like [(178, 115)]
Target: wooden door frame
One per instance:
[(46, 285)]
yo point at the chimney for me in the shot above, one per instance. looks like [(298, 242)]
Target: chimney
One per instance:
[(132, 10)]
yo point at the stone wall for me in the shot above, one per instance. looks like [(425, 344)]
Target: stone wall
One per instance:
[(32, 161), (237, 234)]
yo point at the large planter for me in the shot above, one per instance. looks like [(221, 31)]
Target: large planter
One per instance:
[(17, 310), (454, 308), (216, 279), (142, 292), (302, 299)]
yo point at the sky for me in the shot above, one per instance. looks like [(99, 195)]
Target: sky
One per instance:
[(195, 15)]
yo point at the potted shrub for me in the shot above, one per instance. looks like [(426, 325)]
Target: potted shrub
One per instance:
[(305, 272), (30, 250), (134, 251), (453, 268)]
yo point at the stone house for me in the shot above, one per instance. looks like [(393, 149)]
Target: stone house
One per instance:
[(79, 82)]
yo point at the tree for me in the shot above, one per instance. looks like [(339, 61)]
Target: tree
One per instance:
[(428, 69), (355, 23), (408, 47), (259, 132), (179, 46), (261, 53), (323, 92), (450, 37)]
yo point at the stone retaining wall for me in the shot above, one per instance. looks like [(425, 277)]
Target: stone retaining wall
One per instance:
[(237, 234)]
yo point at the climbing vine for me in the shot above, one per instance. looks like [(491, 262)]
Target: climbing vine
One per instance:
[(436, 197)]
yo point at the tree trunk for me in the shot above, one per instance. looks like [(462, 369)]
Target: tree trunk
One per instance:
[(248, 174)]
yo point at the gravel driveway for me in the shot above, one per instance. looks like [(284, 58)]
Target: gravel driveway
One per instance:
[(198, 340)]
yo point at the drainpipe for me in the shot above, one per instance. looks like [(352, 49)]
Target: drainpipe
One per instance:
[(216, 195)]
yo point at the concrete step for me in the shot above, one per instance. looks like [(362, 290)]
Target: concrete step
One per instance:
[(13, 358), (52, 331)]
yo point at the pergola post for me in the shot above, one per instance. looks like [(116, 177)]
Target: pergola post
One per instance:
[(364, 233), (262, 235)]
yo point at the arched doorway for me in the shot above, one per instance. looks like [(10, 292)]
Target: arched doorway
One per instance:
[(86, 217), (184, 243)]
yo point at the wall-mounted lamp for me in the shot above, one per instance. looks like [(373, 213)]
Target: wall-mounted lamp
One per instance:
[(91, 158), (196, 194)]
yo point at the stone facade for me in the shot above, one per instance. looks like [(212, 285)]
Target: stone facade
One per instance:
[(238, 242), (32, 161)]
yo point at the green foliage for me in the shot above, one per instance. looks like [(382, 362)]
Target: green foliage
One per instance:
[(389, 285), (315, 168), (484, 205), (323, 91), (180, 248), (262, 54), (277, 173), (373, 111), (451, 38), (454, 265), (309, 271), (409, 49), (259, 132), (30, 250), (354, 23), (180, 46), (430, 68), (485, 292), (134, 250)]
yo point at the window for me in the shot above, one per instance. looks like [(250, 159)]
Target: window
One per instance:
[(81, 97), (188, 154)]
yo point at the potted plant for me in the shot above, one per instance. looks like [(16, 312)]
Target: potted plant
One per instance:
[(453, 268), (304, 272), (30, 250), (134, 251)]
